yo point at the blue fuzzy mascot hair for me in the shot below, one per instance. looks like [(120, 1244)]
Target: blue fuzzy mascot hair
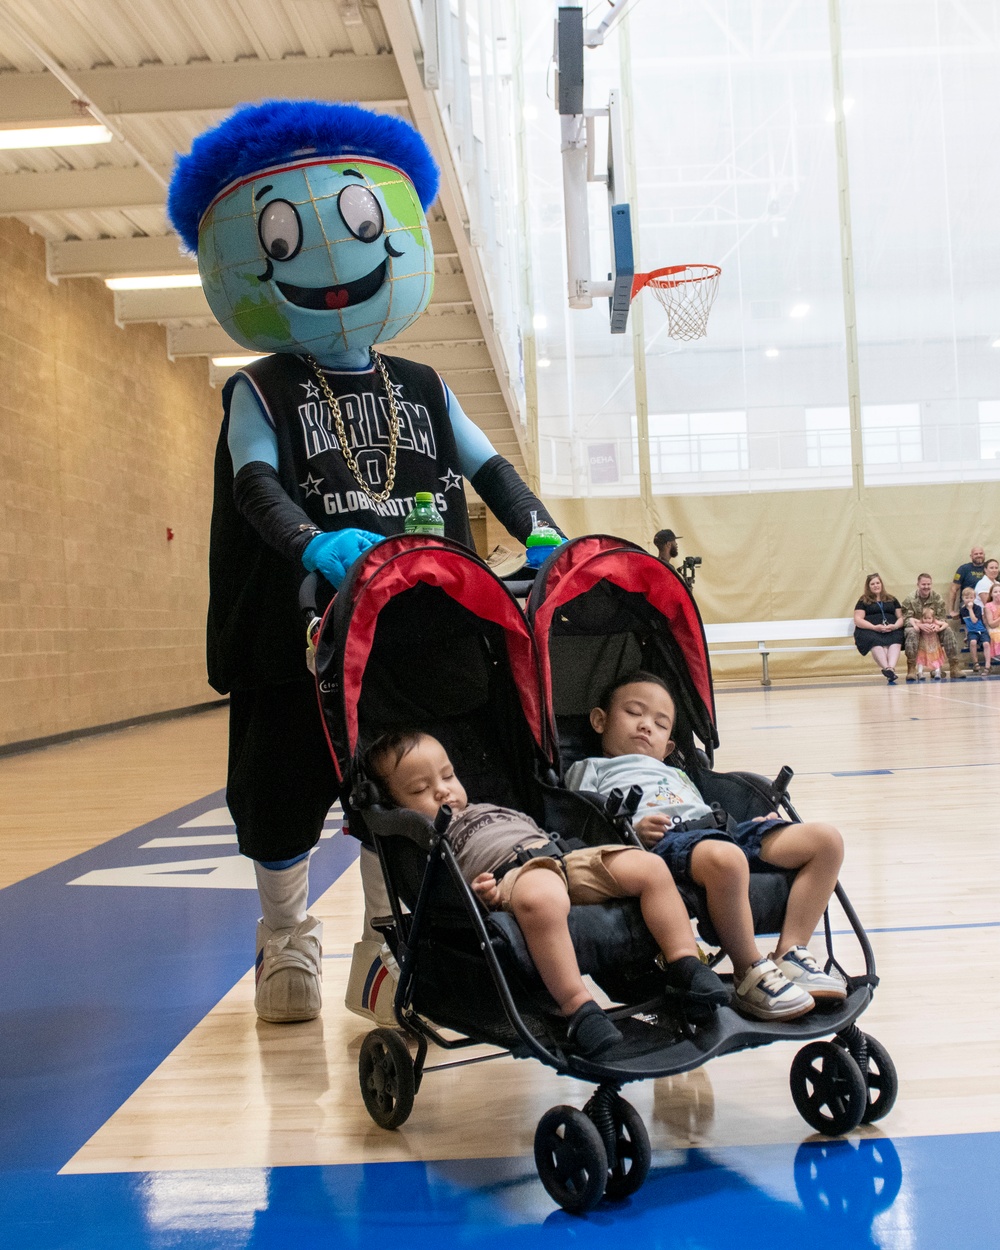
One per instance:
[(259, 135)]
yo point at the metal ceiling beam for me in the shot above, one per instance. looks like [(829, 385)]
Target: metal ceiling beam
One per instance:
[(205, 86), (190, 304), (125, 258), (133, 258), (177, 304), (201, 341), (77, 190)]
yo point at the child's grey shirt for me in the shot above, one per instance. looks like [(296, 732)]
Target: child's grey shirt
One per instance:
[(664, 789)]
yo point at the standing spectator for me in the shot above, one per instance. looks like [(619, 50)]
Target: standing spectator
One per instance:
[(991, 611), (987, 581), (975, 629), (915, 627), (966, 575), (930, 653), (665, 542), (878, 626)]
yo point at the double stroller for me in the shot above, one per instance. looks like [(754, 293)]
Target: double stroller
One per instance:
[(423, 635)]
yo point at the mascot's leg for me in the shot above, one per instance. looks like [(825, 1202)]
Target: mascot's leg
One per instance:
[(281, 786), (288, 968), (371, 986)]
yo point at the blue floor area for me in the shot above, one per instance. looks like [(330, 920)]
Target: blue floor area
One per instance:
[(929, 1193), (118, 975), (125, 961)]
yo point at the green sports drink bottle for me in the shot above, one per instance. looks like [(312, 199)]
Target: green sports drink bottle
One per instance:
[(424, 518)]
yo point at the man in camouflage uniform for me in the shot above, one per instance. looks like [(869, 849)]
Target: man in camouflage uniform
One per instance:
[(913, 607)]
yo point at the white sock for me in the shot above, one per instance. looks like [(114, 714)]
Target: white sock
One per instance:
[(284, 894)]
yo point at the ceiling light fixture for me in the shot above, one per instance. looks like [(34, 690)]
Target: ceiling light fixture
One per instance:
[(798, 310), (68, 134), (772, 352), (162, 282)]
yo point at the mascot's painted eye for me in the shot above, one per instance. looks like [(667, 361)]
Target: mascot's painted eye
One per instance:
[(280, 230), (361, 213)]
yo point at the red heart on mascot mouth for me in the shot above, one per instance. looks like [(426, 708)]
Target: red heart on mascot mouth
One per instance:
[(337, 297)]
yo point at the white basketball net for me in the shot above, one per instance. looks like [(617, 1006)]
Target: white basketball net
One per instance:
[(687, 293)]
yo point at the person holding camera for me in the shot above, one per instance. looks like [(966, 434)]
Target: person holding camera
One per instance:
[(665, 542)]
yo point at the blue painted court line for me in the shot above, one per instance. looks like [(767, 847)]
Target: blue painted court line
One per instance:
[(100, 982), (770, 726), (916, 1193), (904, 768), (866, 772), (922, 928)]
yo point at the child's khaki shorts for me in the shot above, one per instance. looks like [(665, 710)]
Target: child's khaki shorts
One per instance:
[(585, 873)]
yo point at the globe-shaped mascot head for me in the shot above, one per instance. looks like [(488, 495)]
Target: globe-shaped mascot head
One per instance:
[(309, 223)]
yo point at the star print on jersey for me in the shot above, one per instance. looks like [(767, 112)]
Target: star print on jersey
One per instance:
[(450, 479), (397, 389), (311, 485), (311, 389)]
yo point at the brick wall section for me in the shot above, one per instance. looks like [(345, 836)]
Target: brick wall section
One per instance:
[(104, 443)]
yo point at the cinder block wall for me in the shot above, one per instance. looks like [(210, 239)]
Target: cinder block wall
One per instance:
[(104, 444)]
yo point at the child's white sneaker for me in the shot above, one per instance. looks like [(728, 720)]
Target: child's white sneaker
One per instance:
[(768, 994), (289, 972), (799, 966)]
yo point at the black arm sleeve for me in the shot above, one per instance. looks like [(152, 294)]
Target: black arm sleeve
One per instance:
[(262, 501), (499, 487)]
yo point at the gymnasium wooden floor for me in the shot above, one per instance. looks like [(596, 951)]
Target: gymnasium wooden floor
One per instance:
[(145, 1106)]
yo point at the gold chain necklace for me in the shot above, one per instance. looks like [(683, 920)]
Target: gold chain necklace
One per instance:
[(338, 421)]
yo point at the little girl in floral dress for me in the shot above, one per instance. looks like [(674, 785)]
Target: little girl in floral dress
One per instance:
[(930, 652)]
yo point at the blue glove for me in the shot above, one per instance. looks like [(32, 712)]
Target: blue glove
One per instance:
[(333, 554)]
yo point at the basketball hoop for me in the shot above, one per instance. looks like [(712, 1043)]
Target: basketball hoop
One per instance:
[(687, 292)]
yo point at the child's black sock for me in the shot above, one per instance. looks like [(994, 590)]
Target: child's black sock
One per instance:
[(697, 980), (590, 1032)]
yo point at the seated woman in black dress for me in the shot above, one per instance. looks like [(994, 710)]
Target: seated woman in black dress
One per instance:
[(878, 626)]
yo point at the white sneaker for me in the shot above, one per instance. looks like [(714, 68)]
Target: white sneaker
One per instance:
[(800, 967), (767, 994), (289, 972), (371, 987)]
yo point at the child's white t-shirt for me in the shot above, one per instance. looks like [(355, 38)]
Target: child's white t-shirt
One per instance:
[(664, 789)]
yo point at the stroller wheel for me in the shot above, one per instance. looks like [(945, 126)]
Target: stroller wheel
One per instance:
[(571, 1160), (878, 1070), (828, 1088), (632, 1152), (385, 1071)]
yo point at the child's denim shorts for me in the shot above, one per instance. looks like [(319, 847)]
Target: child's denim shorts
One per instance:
[(676, 848)]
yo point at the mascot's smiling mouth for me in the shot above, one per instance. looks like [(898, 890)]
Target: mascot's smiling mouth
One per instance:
[(327, 297)]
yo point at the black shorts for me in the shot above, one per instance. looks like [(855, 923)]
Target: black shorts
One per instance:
[(281, 777)]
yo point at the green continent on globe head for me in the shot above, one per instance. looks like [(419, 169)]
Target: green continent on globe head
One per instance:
[(317, 255)]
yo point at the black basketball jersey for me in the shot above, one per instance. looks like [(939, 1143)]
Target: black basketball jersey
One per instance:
[(255, 629)]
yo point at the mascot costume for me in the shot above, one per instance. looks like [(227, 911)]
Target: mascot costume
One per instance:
[(309, 224)]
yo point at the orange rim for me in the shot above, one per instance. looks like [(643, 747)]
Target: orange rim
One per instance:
[(667, 278)]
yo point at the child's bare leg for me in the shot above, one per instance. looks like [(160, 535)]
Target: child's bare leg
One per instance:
[(816, 850), (974, 652), (647, 878), (540, 903), (721, 869)]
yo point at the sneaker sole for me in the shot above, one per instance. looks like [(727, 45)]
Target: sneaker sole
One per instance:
[(296, 1019), (759, 1014)]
